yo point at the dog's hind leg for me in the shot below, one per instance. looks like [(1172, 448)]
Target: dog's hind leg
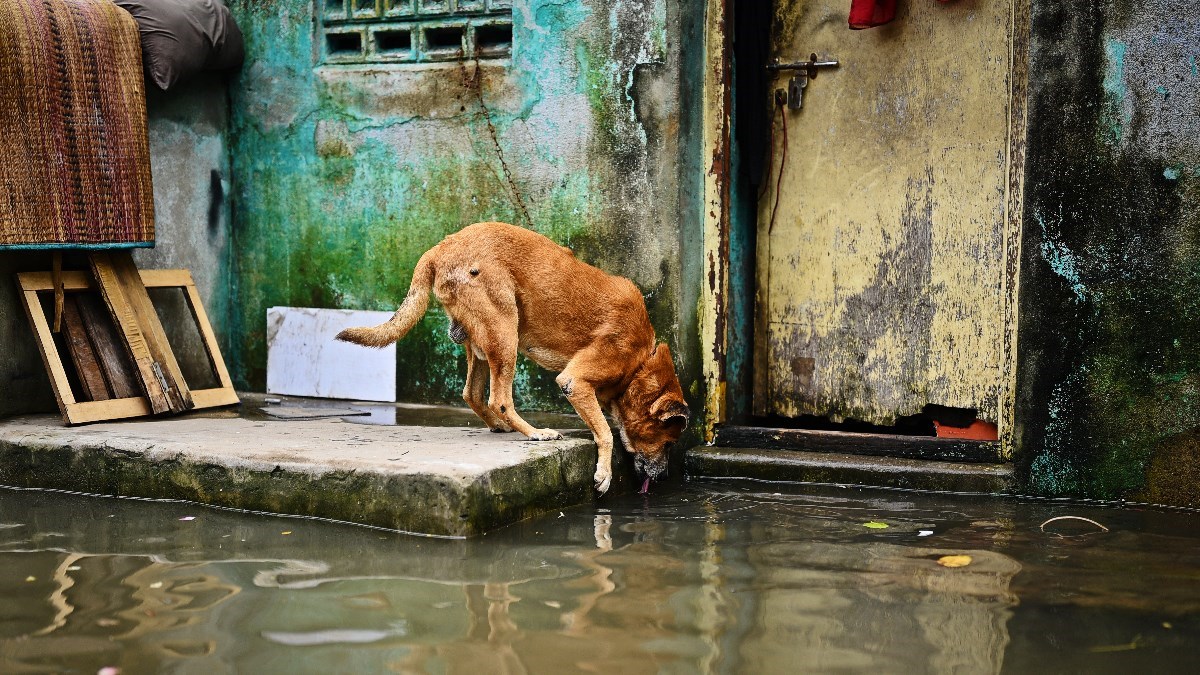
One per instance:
[(475, 391), (501, 352)]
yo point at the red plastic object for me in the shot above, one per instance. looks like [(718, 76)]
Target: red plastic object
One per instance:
[(978, 431), (871, 13)]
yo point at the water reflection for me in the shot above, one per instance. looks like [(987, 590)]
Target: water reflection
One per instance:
[(705, 579)]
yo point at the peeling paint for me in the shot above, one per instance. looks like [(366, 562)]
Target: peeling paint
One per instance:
[(1114, 87)]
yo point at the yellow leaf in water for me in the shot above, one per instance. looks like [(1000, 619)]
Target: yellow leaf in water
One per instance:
[(30, 578), (875, 525), (954, 560), (288, 532)]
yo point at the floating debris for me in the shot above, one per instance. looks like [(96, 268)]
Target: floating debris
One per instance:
[(924, 533), (1133, 644), (954, 560), (1086, 520), (188, 518), (875, 525)]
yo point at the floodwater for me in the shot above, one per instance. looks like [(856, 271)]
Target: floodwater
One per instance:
[(727, 577)]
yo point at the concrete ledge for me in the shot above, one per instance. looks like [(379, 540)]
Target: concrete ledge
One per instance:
[(451, 481), (823, 467)]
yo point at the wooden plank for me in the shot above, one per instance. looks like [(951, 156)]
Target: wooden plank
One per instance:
[(206, 332), (129, 303), (166, 278), (107, 344), (887, 445), (78, 280), (72, 280), (87, 365), (114, 409), (204, 398), (41, 331), (214, 398), (59, 291), (115, 365)]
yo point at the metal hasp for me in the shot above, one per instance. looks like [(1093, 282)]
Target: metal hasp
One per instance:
[(805, 70)]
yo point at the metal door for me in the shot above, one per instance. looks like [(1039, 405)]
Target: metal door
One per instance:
[(882, 280)]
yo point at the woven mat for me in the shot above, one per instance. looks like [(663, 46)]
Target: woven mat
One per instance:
[(74, 157)]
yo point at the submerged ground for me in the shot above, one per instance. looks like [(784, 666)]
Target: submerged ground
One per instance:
[(705, 577)]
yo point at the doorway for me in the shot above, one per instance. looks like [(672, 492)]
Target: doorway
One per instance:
[(878, 215)]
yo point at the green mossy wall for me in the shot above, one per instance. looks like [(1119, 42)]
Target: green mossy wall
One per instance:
[(345, 175), (1109, 335)]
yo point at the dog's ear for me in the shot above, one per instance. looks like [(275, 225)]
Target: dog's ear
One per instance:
[(662, 356), (670, 407)]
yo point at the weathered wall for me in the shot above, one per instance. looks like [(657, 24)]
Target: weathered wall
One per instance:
[(345, 175), (1109, 353), (189, 161), (189, 158)]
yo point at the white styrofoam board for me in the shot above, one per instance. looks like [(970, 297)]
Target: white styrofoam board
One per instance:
[(303, 359)]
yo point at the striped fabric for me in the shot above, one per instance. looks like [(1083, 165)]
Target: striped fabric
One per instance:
[(74, 157)]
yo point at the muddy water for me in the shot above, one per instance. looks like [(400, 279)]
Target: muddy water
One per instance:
[(706, 577)]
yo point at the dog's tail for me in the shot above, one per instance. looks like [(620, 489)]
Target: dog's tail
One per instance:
[(410, 312)]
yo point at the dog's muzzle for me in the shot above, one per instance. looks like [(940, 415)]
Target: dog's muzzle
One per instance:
[(651, 469)]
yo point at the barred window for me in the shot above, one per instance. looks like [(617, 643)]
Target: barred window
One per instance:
[(414, 31)]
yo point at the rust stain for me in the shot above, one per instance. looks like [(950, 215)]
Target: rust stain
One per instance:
[(803, 368), (717, 101), (723, 72)]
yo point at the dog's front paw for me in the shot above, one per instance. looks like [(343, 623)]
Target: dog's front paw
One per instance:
[(545, 435), (603, 479)]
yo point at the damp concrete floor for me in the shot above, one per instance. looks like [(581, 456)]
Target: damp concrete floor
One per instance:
[(421, 469)]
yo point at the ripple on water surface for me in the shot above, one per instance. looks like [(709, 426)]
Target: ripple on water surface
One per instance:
[(707, 577)]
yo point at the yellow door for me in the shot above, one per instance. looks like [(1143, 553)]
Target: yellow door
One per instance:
[(882, 281)]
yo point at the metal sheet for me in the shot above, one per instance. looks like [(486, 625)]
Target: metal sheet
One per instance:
[(881, 280)]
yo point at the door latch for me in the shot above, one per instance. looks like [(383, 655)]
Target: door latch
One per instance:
[(804, 71)]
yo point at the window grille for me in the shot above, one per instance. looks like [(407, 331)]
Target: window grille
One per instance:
[(414, 31)]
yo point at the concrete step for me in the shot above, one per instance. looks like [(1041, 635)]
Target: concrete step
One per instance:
[(438, 480), (848, 469), (889, 445)]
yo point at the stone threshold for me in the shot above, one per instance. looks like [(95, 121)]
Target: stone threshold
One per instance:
[(849, 469), (455, 481)]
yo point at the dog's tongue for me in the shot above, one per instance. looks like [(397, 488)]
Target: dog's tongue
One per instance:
[(645, 487)]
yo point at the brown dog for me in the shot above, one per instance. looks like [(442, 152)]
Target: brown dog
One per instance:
[(509, 290)]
